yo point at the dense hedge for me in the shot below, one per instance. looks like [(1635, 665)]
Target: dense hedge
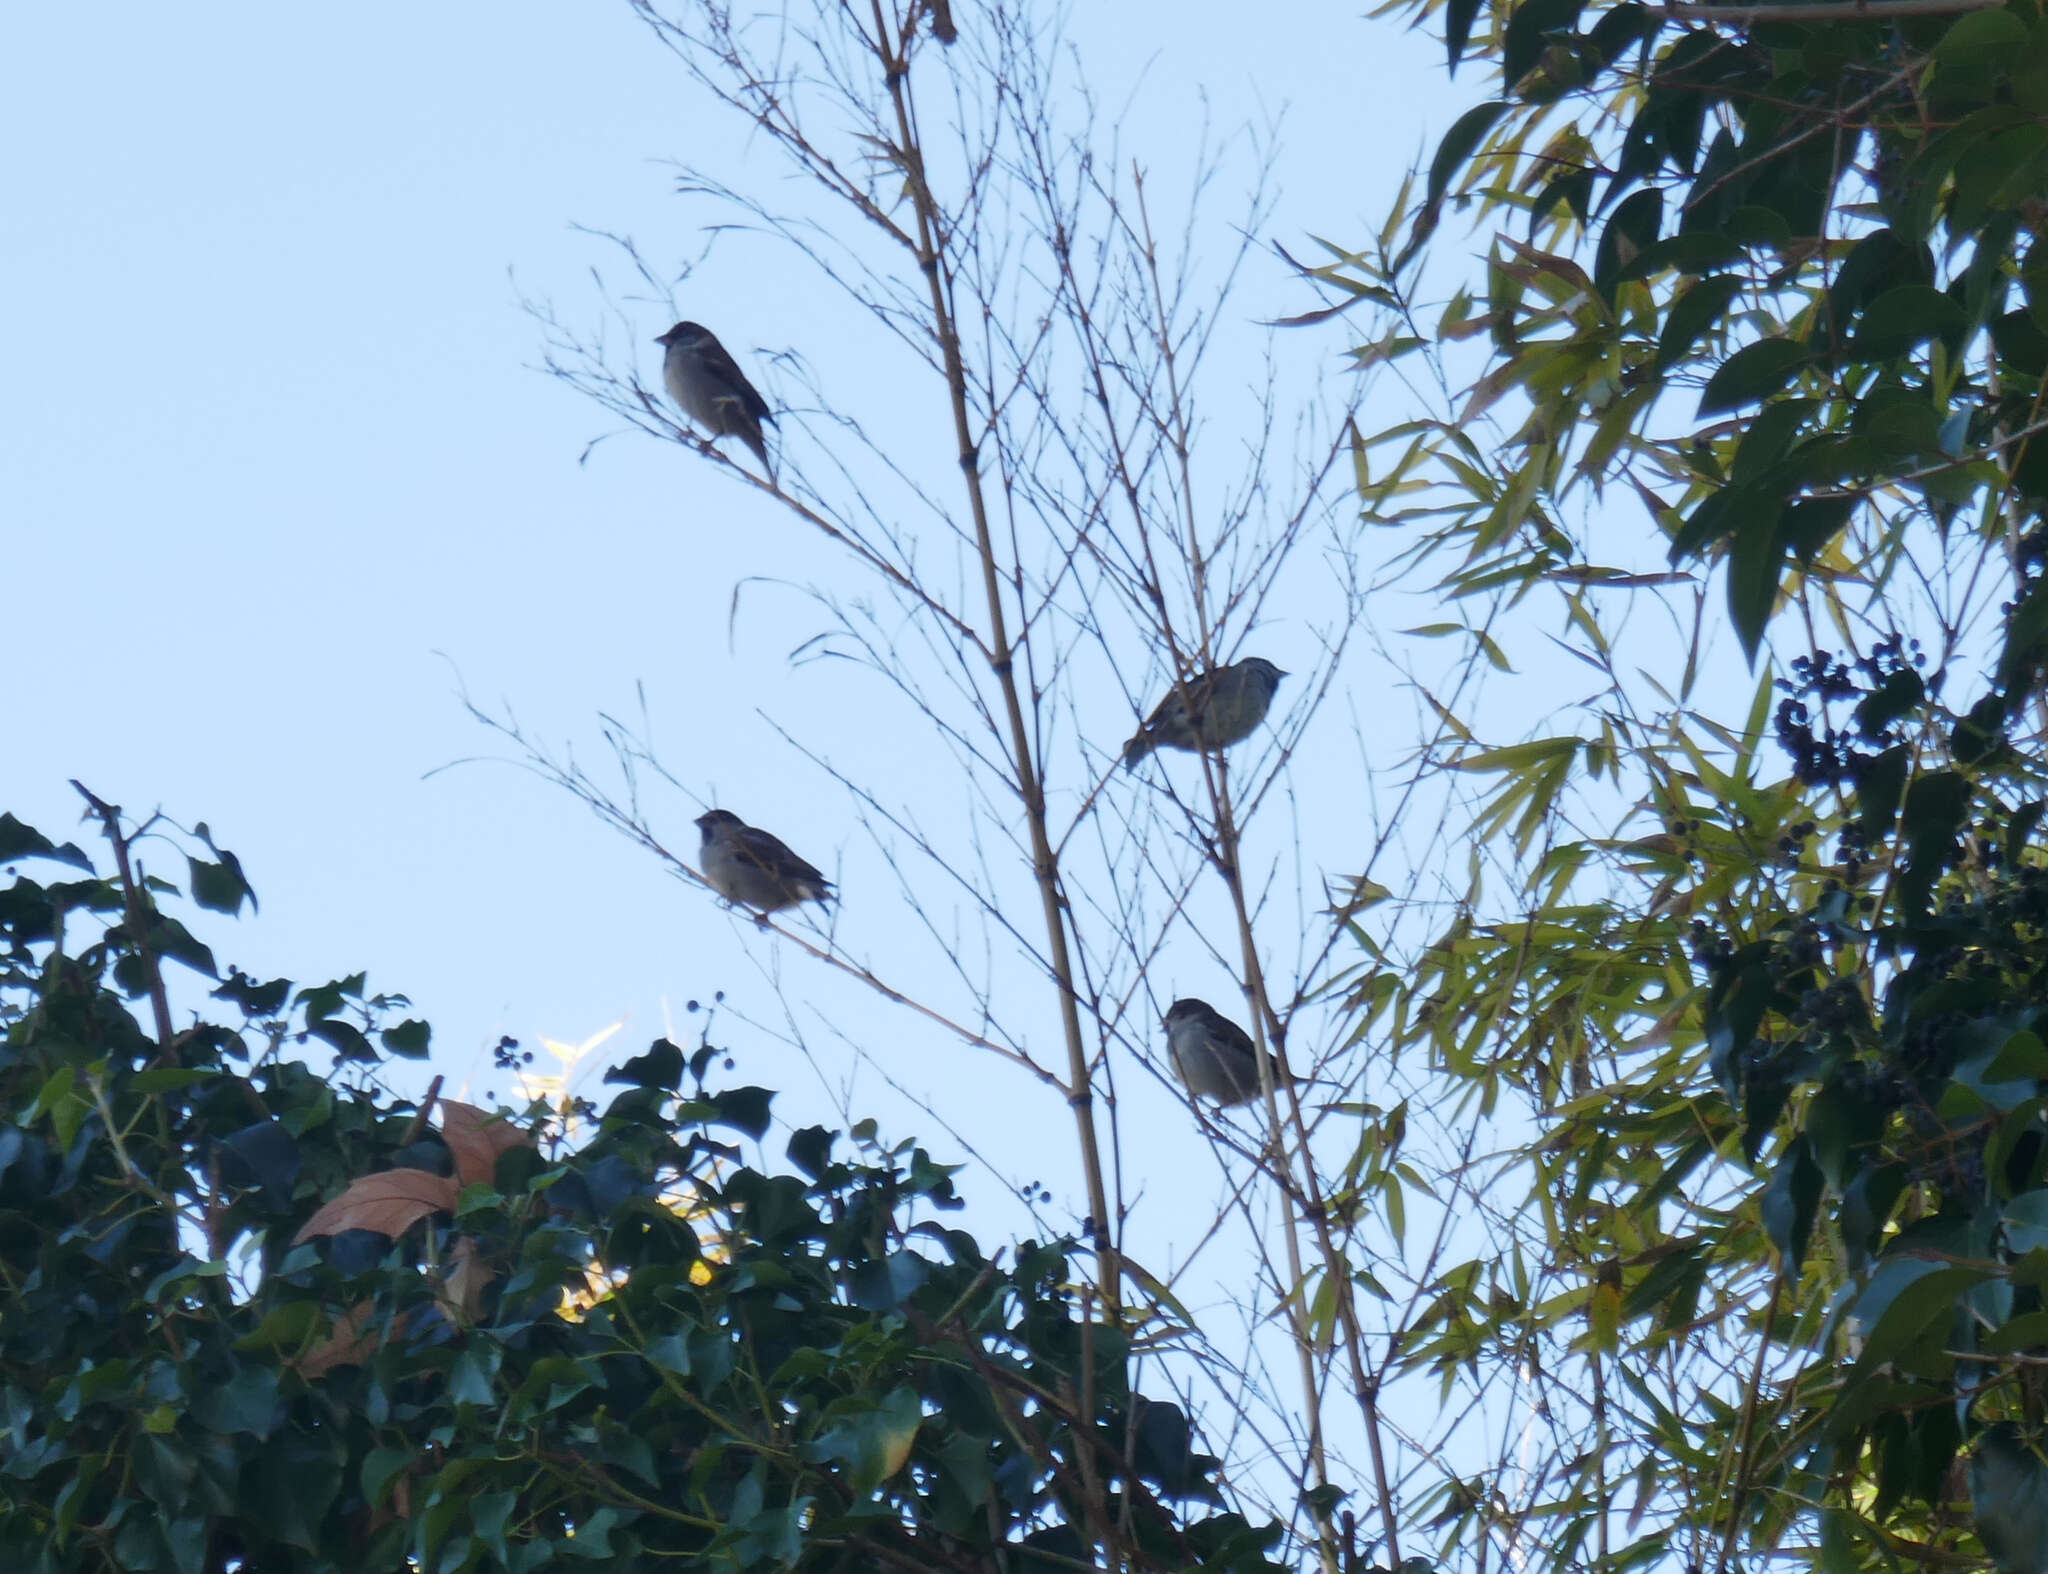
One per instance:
[(269, 1317)]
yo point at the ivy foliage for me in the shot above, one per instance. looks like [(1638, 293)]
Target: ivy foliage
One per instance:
[(263, 1317)]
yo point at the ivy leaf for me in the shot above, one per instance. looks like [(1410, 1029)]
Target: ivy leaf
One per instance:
[(744, 1109), (256, 1000), (219, 887), (265, 1154), (872, 1443), (19, 841), (408, 1040), (661, 1067), (246, 1402), (345, 1038)]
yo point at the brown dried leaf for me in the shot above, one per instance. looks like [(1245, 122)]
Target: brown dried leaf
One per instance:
[(476, 1138), (462, 1284), (390, 1204), (348, 1345)]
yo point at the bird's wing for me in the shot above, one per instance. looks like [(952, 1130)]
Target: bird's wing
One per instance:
[(1232, 1034), (772, 854), (1195, 693), (722, 366)]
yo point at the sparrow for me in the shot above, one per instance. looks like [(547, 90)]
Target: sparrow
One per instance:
[(1210, 710), (750, 868), (1213, 1055), (711, 388)]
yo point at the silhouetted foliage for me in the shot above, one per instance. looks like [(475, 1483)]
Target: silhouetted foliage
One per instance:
[(266, 1317)]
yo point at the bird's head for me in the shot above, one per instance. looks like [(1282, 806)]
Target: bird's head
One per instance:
[(1185, 1011), (713, 820), (684, 333), (1262, 669)]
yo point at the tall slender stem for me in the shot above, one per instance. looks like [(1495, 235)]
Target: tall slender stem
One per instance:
[(1002, 660), (136, 915)]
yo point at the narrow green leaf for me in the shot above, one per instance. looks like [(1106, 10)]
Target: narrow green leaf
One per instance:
[(1466, 133), (1752, 374)]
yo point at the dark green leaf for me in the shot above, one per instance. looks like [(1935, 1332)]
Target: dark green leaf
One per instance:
[(1754, 564), (1903, 317), (1900, 692), (246, 1402), (661, 1067), (744, 1109), (1867, 1204), (169, 938), (2022, 1055), (2026, 1221), (1619, 26), (265, 1154), (1753, 373), (1466, 133), (875, 1442), (219, 887), (408, 1039), (1694, 253), (810, 1150), (1528, 29), (881, 1286), (1880, 782), (19, 841), (346, 1039), (1630, 231), (1980, 37), (1808, 524), (1789, 1203), (1458, 15), (323, 1000), (1905, 1297), (1769, 435), (255, 1000), (2009, 1494)]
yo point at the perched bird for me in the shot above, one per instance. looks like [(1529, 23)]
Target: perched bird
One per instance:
[(711, 388), (1211, 710), (1212, 1054), (749, 867)]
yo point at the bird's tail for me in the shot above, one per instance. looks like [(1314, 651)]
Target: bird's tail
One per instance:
[(1136, 750), (751, 436)]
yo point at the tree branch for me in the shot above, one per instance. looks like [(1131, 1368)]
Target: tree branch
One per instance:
[(1817, 11)]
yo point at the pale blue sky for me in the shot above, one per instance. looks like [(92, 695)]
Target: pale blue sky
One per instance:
[(273, 441), (274, 465)]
